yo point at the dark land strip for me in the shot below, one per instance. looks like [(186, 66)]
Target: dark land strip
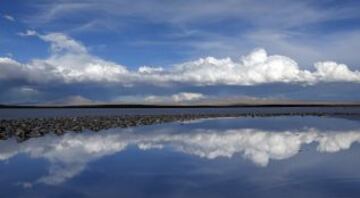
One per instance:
[(179, 106)]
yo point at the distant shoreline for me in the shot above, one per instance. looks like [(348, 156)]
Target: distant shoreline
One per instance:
[(178, 106)]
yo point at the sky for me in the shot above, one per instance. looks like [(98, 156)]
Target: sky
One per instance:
[(157, 51)]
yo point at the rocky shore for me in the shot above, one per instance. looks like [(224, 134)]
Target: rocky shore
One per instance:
[(24, 129)]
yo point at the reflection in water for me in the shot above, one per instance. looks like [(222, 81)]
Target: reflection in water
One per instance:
[(69, 154)]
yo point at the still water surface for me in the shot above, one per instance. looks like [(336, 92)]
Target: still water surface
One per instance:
[(60, 112), (234, 157)]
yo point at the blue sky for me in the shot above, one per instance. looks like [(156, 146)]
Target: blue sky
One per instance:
[(156, 51)]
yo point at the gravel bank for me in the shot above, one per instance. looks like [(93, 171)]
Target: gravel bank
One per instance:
[(24, 129)]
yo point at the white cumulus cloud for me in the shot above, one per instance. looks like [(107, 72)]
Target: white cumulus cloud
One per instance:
[(70, 62), (179, 97), (28, 33), (187, 96)]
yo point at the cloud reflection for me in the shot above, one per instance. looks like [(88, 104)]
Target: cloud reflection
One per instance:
[(69, 154)]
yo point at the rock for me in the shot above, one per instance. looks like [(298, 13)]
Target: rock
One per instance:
[(59, 131), (3, 135), (20, 134)]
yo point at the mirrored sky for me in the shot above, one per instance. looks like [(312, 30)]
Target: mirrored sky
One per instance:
[(217, 157)]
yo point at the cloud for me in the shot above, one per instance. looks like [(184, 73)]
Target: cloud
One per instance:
[(187, 96), (28, 33), (323, 30), (69, 154), (331, 71), (181, 97), (11, 69), (9, 18), (70, 62), (277, 13), (24, 92), (149, 70), (60, 42), (72, 100)]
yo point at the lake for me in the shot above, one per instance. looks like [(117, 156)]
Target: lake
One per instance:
[(284, 156)]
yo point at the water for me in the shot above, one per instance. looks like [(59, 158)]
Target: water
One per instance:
[(55, 112), (237, 157)]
